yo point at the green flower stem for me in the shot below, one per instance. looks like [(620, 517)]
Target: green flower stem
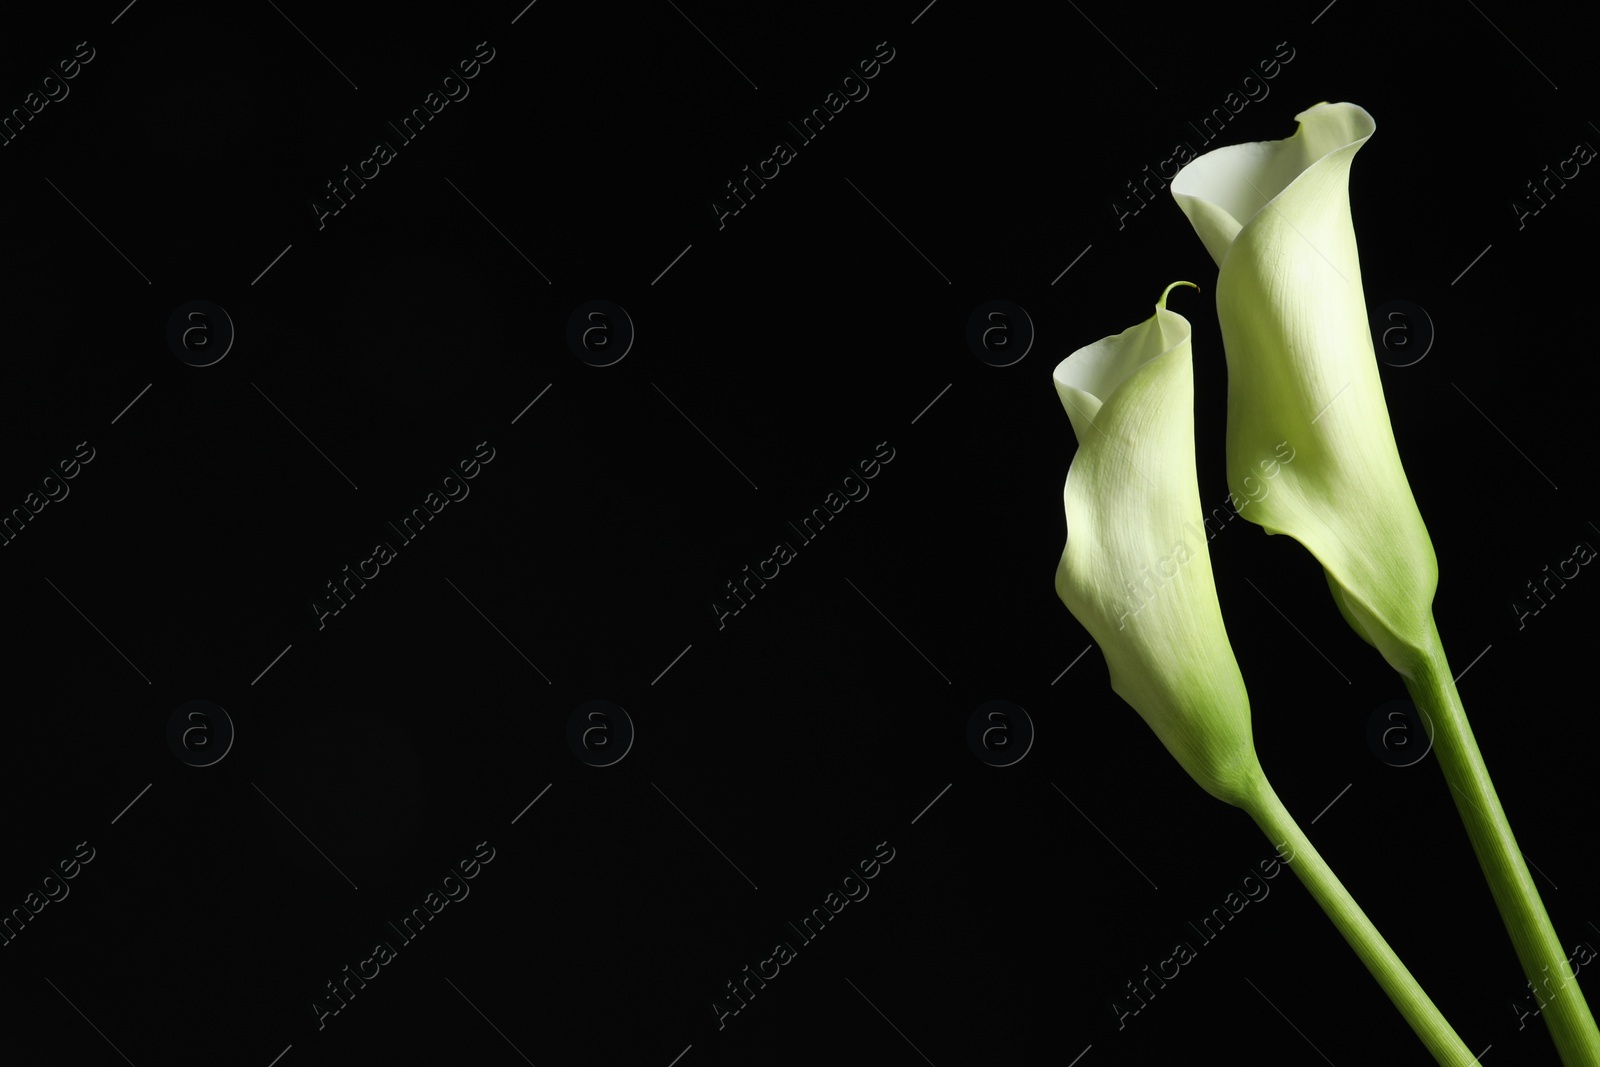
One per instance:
[(1425, 1019), (1566, 1012)]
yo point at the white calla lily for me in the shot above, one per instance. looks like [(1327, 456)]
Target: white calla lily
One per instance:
[(1136, 573), (1128, 571), (1275, 216)]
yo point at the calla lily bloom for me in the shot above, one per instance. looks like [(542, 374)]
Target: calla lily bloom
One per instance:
[(1132, 572), (1275, 216), (1136, 573)]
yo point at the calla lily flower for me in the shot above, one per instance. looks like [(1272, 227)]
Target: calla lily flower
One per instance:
[(1136, 573), (1275, 216), (1133, 572)]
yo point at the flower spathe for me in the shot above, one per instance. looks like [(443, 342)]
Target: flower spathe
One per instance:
[(1275, 216), (1130, 576), (1133, 572)]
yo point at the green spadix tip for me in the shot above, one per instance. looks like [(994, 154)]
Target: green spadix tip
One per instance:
[(1162, 303)]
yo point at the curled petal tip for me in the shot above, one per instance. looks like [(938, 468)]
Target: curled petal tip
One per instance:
[(1162, 303)]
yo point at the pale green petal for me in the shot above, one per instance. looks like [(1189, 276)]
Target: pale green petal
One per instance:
[(1301, 371), (1135, 571), (1302, 377)]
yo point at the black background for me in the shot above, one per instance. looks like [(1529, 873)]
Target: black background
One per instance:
[(772, 354)]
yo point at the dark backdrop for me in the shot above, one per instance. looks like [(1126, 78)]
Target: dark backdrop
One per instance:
[(766, 354)]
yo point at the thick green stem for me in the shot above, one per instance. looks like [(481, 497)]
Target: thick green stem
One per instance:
[(1402, 989), (1565, 1011)]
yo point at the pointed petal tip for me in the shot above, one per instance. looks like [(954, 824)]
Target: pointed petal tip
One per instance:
[(1361, 115)]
